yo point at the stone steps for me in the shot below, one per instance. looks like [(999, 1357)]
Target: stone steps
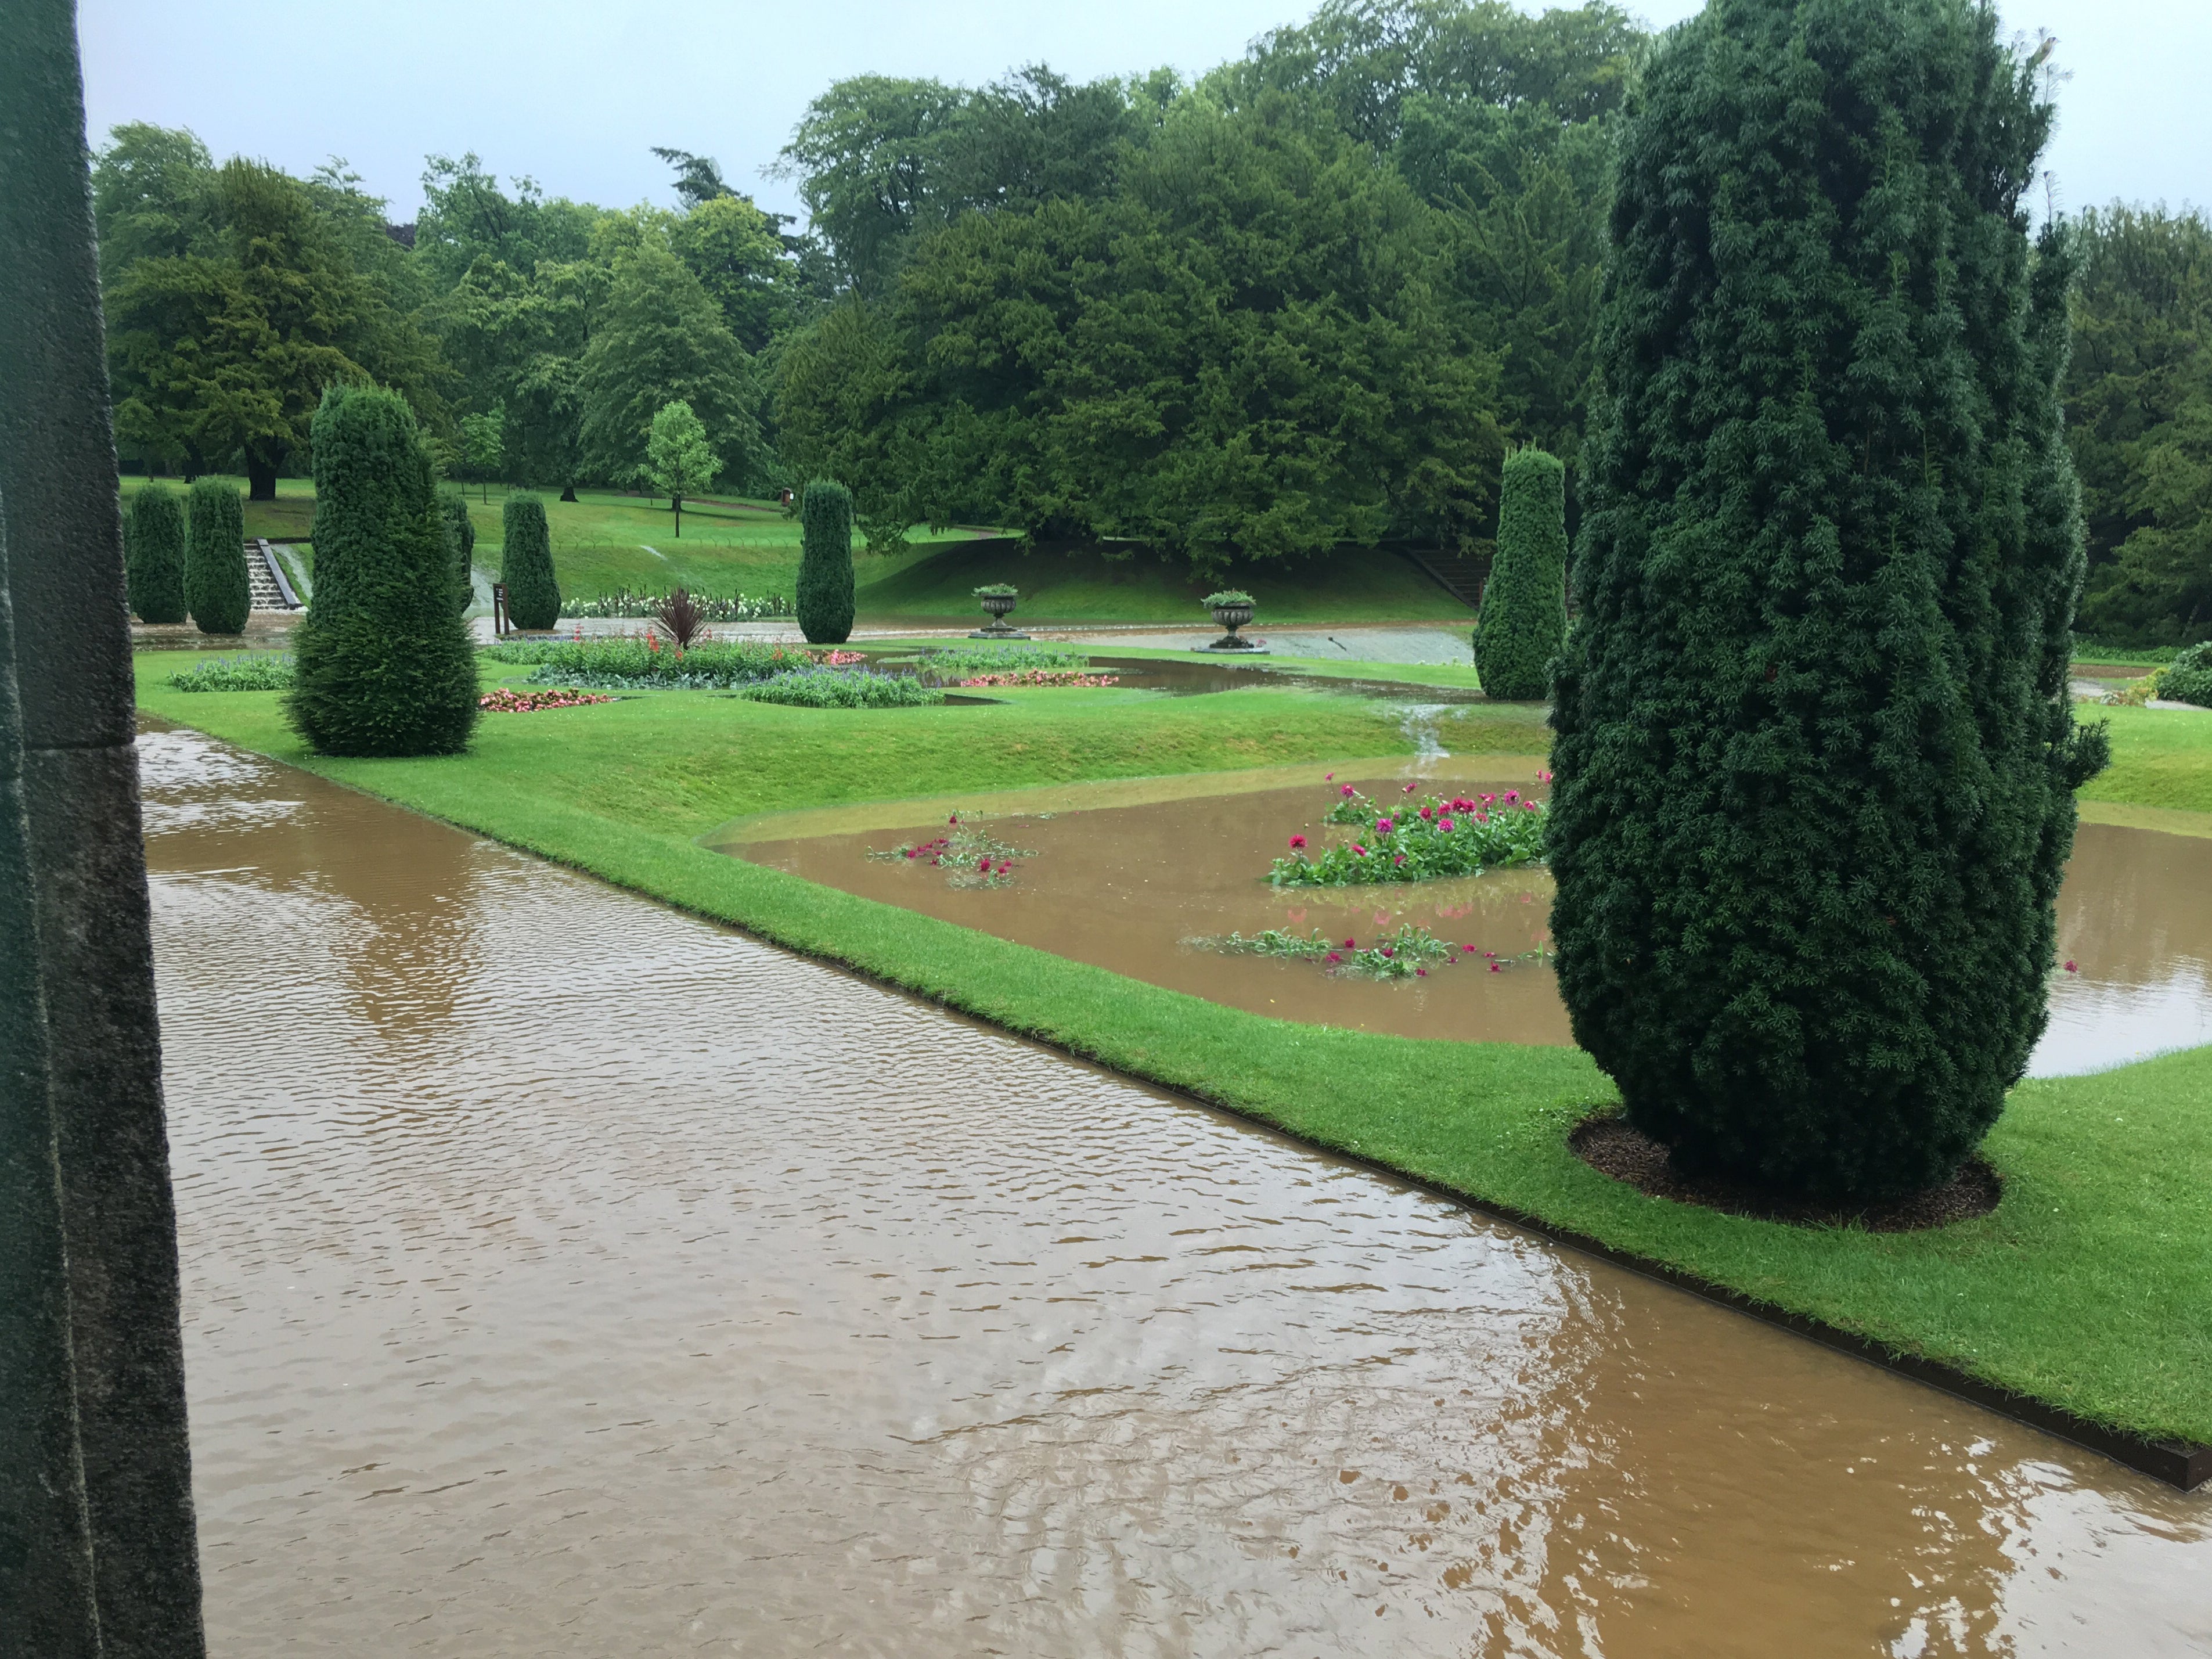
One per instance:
[(266, 578)]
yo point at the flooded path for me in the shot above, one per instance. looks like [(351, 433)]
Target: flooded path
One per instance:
[(567, 1277), (1130, 886)]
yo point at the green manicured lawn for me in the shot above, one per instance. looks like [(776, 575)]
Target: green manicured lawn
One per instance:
[(2090, 1287), (2161, 758)]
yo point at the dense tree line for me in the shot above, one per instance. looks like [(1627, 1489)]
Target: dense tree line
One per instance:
[(1311, 299)]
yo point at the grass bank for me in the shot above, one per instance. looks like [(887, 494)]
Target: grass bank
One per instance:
[(2089, 1288)]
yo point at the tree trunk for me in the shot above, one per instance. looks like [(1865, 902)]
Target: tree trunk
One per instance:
[(260, 475), (569, 492), (677, 502)]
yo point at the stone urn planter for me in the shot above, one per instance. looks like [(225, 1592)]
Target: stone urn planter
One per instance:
[(1231, 611), (1000, 600)]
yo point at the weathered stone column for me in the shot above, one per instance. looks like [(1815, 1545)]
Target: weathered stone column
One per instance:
[(97, 1550)]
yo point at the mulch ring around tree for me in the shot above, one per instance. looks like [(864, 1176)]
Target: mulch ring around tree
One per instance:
[(1612, 1147)]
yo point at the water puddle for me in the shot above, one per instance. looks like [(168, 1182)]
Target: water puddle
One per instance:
[(567, 1276), (1125, 883), (1202, 676)]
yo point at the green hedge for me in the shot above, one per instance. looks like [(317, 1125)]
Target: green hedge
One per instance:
[(824, 599), (216, 586), (385, 663), (1524, 603), (2189, 678), (155, 548), (460, 545), (526, 563)]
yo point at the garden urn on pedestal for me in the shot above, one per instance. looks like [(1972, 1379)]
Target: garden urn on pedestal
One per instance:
[(999, 598), (1232, 610)]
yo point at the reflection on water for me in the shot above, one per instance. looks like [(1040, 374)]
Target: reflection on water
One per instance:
[(564, 1276), (1124, 887)]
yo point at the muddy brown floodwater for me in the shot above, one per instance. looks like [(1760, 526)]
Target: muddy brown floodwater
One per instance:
[(1130, 886), (566, 1276)]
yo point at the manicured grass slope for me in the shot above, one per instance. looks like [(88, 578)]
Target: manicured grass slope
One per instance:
[(2091, 1287), (1352, 584), (2161, 758)]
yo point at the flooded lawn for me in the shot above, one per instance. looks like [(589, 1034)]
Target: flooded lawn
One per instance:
[(566, 1276), (1128, 887)]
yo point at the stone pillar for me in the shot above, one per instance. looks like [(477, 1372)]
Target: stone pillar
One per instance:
[(97, 1549)]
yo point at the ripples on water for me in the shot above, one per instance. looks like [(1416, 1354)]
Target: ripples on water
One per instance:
[(564, 1276)]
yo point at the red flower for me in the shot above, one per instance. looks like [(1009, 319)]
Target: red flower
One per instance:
[(1421, 972), (1409, 788), (911, 851), (1330, 778), (1388, 952), (1336, 956), (1493, 967), (2070, 968), (1358, 851), (1348, 790), (1347, 944), (1383, 826), (1298, 840)]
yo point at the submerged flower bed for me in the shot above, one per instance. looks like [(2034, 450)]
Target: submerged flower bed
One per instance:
[(1409, 953), (1418, 841), (841, 688), (254, 671), (506, 701), (971, 857), (1043, 677)]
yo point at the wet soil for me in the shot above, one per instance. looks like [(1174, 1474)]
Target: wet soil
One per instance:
[(1614, 1147), (565, 1276), (1126, 887)]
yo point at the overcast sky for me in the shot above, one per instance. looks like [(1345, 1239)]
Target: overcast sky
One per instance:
[(574, 93)]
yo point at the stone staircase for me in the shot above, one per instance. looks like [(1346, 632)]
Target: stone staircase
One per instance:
[(265, 576), (1461, 574)]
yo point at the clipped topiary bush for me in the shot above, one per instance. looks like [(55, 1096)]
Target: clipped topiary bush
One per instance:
[(1524, 603), (216, 588), (2188, 677), (155, 572), (460, 545), (526, 563), (825, 563), (1813, 745), (384, 663)]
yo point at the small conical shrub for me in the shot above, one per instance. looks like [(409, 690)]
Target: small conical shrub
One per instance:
[(156, 570), (1524, 605), (385, 664), (533, 599), (216, 587), (825, 600), (460, 545), (1814, 750)]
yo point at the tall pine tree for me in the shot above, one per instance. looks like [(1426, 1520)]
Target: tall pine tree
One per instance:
[(1815, 748)]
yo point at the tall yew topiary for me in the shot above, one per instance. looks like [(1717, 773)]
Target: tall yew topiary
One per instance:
[(1814, 751), (824, 599), (526, 563), (216, 587), (1524, 603), (460, 545), (155, 572), (385, 663)]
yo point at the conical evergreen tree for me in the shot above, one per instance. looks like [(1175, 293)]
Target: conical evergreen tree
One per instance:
[(385, 664), (1815, 748), (216, 586), (526, 563), (460, 545), (1524, 603), (155, 574), (824, 599)]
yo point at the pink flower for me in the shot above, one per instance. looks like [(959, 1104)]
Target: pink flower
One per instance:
[(1428, 811), (1528, 806), (1486, 800), (1469, 949), (1482, 818), (1512, 795), (911, 851), (1330, 778), (2071, 969), (1348, 790), (1382, 826), (1358, 851), (1444, 824), (1420, 973), (954, 818), (1347, 944), (1493, 968), (1336, 956), (1298, 840), (1388, 952)]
